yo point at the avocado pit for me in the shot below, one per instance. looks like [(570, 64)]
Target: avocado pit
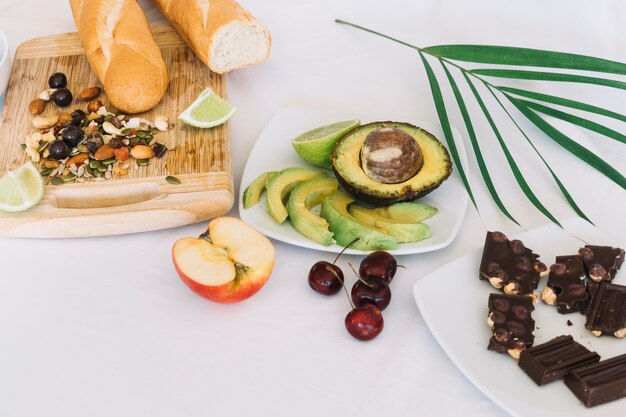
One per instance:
[(391, 155)]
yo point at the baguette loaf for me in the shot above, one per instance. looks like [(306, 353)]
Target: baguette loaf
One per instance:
[(122, 51), (222, 33)]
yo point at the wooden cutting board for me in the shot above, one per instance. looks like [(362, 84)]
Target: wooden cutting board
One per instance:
[(143, 200)]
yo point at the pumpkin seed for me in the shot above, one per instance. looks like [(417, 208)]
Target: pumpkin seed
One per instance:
[(126, 131), (42, 146), (82, 147), (94, 164), (97, 173), (109, 118), (68, 177), (134, 141), (172, 180), (108, 161), (143, 162), (154, 130), (57, 181), (89, 170), (45, 172), (102, 168), (74, 151), (23, 146)]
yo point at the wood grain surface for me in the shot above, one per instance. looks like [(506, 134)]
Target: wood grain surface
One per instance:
[(141, 200)]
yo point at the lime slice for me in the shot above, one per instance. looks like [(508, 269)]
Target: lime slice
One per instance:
[(21, 189), (209, 110), (316, 146)]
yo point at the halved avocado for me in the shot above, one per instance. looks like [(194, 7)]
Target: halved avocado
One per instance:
[(252, 194), (436, 166), (305, 195), (403, 232), (407, 212), (281, 184), (346, 228)]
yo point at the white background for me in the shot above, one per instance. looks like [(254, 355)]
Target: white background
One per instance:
[(103, 326)]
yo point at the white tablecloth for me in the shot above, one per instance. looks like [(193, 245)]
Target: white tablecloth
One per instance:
[(104, 327)]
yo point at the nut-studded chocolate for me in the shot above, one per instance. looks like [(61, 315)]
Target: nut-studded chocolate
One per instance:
[(607, 310), (511, 323), (509, 265), (601, 262), (566, 286)]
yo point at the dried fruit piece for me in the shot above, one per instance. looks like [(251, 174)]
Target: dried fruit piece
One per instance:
[(93, 106), (121, 154), (37, 106), (159, 149), (90, 93)]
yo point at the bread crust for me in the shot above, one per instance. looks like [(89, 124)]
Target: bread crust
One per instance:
[(121, 50), (198, 22)]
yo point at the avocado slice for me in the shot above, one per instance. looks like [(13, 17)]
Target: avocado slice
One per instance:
[(305, 195), (407, 212), (252, 194), (281, 184), (403, 232), (346, 228), (347, 165)]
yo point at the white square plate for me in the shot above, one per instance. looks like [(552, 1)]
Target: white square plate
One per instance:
[(273, 151), (453, 303)]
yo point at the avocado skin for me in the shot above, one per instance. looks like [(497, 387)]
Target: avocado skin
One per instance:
[(406, 193)]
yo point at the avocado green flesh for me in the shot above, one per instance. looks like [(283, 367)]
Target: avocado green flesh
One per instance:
[(305, 195), (252, 194), (279, 187), (406, 212), (403, 232), (347, 166), (346, 228)]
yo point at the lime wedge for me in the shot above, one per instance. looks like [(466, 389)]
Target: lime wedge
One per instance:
[(21, 189), (209, 110), (316, 146)]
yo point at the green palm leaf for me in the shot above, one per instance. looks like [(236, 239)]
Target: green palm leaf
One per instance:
[(506, 55), (548, 76), (570, 145), (579, 121), (558, 181), (519, 177), (476, 147), (445, 125), (564, 102)]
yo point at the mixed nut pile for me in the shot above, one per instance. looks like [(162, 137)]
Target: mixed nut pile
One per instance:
[(94, 144)]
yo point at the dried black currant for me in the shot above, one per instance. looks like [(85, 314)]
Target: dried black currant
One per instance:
[(72, 136), (62, 97), (57, 80), (159, 149), (116, 142), (58, 149), (94, 142)]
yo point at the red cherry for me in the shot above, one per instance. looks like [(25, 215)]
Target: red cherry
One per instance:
[(326, 278), (371, 291), (379, 264), (365, 323)]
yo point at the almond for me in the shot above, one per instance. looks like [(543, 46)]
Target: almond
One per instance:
[(78, 159), (142, 152), (90, 93), (121, 154), (104, 152), (37, 106)]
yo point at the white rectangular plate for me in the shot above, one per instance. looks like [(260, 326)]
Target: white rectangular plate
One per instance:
[(453, 303), (273, 151)]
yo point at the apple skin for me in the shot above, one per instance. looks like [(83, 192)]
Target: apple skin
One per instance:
[(227, 234)]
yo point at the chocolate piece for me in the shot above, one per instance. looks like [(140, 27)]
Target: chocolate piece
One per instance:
[(509, 265), (601, 262), (552, 360), (607, 310), (511, 323), (566, 286), (599, 382)]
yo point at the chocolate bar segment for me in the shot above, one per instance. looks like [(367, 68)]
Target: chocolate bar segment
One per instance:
[(566, 285), (511, 323), (550, 361), (509, 265), (606, 313), (600, 382), (602, 262)]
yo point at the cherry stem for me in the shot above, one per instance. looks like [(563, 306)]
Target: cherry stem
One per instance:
[(367, 284), (402, 266), (344, 249)]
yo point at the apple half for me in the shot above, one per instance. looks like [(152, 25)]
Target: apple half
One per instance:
[(228, 263)]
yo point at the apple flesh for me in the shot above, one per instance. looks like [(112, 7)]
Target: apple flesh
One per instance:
[(227, 264)]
